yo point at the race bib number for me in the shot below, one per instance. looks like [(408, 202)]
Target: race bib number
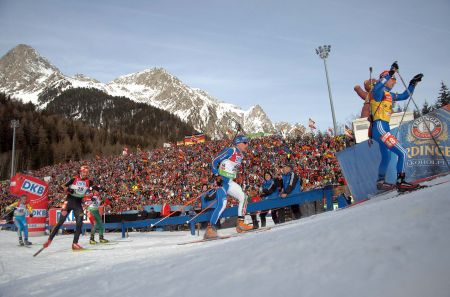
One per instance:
[(228, 169), (94, 203), (79, 189), (389, 140), (19, 211)]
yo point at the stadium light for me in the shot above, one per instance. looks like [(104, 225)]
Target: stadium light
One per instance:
[(14, 124), (323, 52)]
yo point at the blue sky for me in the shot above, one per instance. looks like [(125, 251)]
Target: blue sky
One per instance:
[(244, 52)]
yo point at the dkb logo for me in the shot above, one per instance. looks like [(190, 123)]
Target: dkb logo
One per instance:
[(33, 188)]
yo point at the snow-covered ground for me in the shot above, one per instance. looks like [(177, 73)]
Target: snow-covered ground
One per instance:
[(382, 247)]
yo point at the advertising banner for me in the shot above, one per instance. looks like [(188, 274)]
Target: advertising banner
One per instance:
[(36, 191), (427, 143), (55, 213)]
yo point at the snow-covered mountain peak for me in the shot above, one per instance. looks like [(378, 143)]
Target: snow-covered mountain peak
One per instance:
[(26, 75), (82, 77), (288, 130), (154, 78), (25, 58), (23, 73)]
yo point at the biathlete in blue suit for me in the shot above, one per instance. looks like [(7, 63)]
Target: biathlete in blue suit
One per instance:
[(20, 211), (225, 167), (381, 99)]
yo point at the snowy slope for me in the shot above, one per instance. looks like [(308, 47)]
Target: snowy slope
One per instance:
[(383, 247)]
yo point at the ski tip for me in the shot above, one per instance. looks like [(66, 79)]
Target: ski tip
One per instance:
[(411, 190)]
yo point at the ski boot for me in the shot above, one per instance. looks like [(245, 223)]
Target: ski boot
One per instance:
[(384, 186), (21, 241), (403, 186), (210, 232), (92, 240), (27, 242), (241, 226), (103, 240), (255, 222), (76, 247), (263, 220)]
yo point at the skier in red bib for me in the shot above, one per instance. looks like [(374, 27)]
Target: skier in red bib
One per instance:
[(76, 188)]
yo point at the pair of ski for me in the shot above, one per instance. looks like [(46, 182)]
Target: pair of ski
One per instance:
[(97, 247), (84, 249), (401, 192), (226, 236)]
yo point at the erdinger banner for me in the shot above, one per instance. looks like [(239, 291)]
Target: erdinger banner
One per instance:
[(37, 192), (424, 156)]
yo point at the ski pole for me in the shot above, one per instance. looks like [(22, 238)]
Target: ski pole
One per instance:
[(39, 251), (370, 106), (407, 104), (6, 213), (206, 208), (170, 214), (425, 122)]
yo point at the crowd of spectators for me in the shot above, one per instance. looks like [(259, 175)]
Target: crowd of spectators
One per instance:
[(175, 175)]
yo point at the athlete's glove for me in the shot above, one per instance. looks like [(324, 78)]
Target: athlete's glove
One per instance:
[(416, 79), (70, 190), (394, 69)]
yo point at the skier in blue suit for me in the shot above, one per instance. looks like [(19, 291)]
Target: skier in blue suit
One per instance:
[(225, 167), (381, 100)]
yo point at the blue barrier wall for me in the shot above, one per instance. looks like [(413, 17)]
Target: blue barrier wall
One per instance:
[(359, 164), (313, 195), (157, 207)]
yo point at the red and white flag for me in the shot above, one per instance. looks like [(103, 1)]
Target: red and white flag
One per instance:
[(330, 131), (312, 124), (348, 132)]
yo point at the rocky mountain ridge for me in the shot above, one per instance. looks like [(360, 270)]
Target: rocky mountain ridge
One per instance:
[(26, 75)]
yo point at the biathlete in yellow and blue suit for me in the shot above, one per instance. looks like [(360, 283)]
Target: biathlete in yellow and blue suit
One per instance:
[(381, 100), (20, 211)]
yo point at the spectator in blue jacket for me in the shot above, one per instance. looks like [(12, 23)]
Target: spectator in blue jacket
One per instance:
[(269, 190), (291, 186)]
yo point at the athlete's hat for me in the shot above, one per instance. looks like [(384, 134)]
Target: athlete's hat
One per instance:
[(240, 139)]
